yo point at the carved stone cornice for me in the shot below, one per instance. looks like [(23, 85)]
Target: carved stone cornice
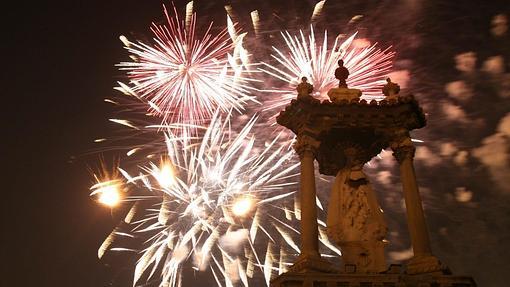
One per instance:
[(403, 112)]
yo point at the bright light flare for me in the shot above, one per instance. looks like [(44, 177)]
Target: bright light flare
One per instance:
[(164, 174), (108, 193), (242, 206), (110, 196)]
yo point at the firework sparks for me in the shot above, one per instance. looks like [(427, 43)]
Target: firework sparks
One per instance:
[(304, 57), (211, 193), (318, 9), (185, 78), (255, 18), (109, 187)]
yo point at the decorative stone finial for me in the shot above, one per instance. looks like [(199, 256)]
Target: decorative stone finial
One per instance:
[(391, 89), (304, 89), (343, 93), (341, 73)]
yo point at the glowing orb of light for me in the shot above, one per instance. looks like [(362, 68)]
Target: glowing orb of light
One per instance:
[(242, 206), (109, 195), (164, 175)]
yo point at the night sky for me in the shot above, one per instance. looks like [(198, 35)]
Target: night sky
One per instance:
[(60, 67)]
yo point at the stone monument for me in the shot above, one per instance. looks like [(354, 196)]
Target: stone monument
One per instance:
[(343, 135)]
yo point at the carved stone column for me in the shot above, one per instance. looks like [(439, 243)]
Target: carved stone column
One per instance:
[(423, 260), (309, 259), (307, 147)]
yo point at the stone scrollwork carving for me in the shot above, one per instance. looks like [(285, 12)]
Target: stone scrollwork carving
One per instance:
[(399, 138)]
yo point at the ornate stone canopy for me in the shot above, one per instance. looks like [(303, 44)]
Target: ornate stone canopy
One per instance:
[(367, 127), (342, 135)]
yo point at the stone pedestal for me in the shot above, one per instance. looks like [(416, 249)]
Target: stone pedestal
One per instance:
[(309, 259), (339, 94)]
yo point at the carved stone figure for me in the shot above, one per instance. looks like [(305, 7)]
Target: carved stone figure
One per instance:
[(355, 221), (337, 95), (341, 73), (304, 89), (391, 89)]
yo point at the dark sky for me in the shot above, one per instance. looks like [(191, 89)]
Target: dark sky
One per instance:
[(60, 67)]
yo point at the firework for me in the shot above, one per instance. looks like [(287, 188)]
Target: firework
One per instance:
[(184, 78), (219, 201), (223, 202), (304, 57)]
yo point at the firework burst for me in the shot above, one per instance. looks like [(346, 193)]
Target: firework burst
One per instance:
[(185, 78), (220, 199), (304, 57)]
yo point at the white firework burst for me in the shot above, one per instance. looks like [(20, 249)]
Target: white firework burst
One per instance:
[(302, 56), (224, 204)]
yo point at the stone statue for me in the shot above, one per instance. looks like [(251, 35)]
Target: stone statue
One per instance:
[(355, 221), (391, 89), (341, 73), (304, 89)]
